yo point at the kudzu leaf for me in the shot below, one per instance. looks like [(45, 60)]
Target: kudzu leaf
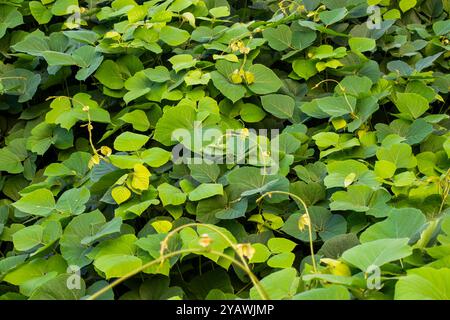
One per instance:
[(332, 292), (280, 245), (278, 285), (304, 68), (411, 104), (278, 38), (401, 223), (109, 74), (377, 253), (266, 81), (73, 201), (170, 195), (129, 141), (361, 44), (232, 91), (279, 105), (138, 119), (141, 177), (281, 260), (173, 36), (120, 194), (40, 12), (155, 157), (424, 283), (39, 202), (205, 190), (28, 238)]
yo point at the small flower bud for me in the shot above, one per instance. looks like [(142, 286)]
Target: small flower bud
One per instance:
[(205, 240)]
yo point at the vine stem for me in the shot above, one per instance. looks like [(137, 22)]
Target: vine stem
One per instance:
[(253, 278), (162, 259), (88, 125), (343, 91), (309, 225), (445, 191)]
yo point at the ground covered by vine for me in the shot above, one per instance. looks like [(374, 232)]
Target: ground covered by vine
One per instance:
[(345, 197)]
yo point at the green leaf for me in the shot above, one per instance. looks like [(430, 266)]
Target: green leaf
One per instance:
[(232, 210), (220, 12), (261, 254), (28, 238), (155, 157), (179, 62), (337, 106), (170, 195), (205, 190), (248, 181), (205, 172), (173, 119), (109, 75), (446, 147), (281, 260), (405, 5), (82, 226), (278, 285), (334, 247), (20, 82), (36, 268), (137, 86), (138, 119), (411, 104), (361, 44), (64, 7), (57, 289), (116, 257), (40, 12), (129, 141), (348, 172), (10, 18), (137, 13), (117, 265), (73, 201), (280, 245), (107, 229), (279, 105), (385, 169), (54, 58), (251, 113), (332, 292), (354, 85), (399, 154), (232, 91), (279, 38), (401, 223), (424, 284), (10, 162), (404, 179), (332, 16), (377, 253), (441, 27), (39, 202), (326, 139), (361, 198), (161, 74), (266, 81), (304, 68), (34, 44), (66, 116), (173, 36)]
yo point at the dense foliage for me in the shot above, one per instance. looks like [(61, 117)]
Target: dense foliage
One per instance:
[(92, 92)]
